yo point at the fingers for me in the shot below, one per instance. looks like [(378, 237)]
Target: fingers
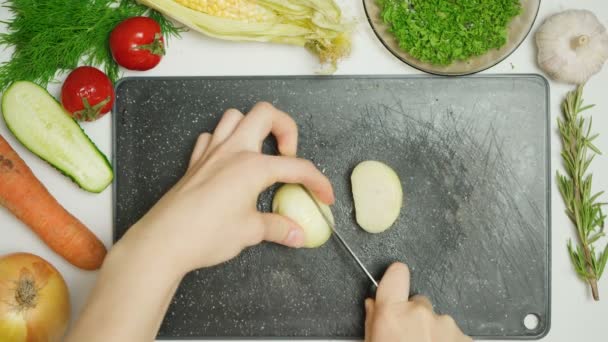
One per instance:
[(281, 230), (449, 327), (295, 170), (264, 119), (227, 126), (422, 301), (395, 285), (369, 318), (199, 148)]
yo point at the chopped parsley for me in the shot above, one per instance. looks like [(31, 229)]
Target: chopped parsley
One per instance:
[(442, 31)]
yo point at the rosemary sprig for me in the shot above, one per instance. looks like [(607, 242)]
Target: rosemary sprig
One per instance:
[(54, 36), (582, 207)]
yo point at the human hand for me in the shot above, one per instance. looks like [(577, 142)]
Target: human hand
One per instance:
[(394, 317), (210, 215)]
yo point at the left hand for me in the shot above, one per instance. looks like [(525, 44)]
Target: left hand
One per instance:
[(210, 215)]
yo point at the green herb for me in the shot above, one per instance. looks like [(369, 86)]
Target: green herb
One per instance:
[(54, 36), (442, 31), (582, 206)]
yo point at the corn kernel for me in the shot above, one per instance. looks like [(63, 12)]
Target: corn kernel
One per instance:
[(248, 10)]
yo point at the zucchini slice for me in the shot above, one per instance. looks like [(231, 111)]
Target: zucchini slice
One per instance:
[(42, 125)]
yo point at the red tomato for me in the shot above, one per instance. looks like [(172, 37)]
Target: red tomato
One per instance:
[(87, 93), (137, 43)]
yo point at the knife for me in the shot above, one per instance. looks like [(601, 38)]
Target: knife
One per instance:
[(342, 241)]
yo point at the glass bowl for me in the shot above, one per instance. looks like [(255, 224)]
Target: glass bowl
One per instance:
[(518, 29)]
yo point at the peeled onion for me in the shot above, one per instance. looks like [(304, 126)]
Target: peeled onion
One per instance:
[(378, 195), (34, 300), (293, 201)]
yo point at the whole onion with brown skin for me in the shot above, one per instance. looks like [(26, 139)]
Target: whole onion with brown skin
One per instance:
[(34, 300)]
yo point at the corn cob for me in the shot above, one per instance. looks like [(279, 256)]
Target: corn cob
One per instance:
[(231, 9), (314, 24)]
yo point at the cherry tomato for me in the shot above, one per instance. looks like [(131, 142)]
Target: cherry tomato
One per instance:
[(87, 94), (137, 43)]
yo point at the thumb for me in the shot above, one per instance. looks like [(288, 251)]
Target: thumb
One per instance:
[(369, 318), (395, 285), (282, 230)]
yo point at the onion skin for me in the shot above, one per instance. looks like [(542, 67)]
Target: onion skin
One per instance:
[(34, 300)]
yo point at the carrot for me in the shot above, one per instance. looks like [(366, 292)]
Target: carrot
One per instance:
[(24, 196)]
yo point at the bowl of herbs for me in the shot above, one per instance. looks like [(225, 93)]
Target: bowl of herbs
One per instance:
[(447, 37)]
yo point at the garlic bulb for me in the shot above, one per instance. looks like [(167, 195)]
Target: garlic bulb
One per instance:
[(572, 46)]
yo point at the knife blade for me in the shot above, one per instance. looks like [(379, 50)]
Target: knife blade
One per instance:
[(341, 239)]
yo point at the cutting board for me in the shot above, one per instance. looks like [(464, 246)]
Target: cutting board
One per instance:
[(473, 157)]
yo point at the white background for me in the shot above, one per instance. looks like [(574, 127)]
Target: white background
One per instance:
[(575, 316)]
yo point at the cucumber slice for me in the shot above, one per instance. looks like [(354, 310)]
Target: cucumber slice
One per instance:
[(42, 125)]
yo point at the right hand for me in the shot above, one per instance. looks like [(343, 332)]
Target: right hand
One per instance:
[(394, 317)]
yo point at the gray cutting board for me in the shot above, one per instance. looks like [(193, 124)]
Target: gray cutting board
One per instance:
[(473, 157)]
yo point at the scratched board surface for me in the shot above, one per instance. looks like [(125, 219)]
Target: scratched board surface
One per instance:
[(472, 155)]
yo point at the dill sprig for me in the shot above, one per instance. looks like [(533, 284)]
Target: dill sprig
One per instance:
[(582, 207), (55, 36)]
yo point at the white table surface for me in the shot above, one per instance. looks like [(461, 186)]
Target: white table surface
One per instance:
[(575, 316)]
